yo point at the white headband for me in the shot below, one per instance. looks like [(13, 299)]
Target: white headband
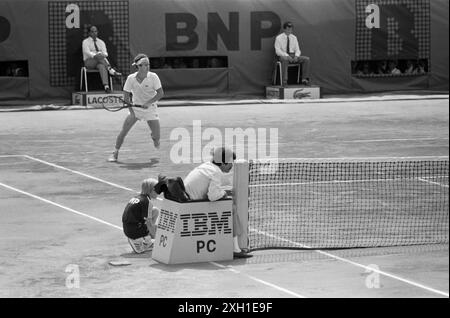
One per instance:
[(142, 60)]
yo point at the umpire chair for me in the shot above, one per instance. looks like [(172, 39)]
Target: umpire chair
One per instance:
[(278, 72), (84, 78)]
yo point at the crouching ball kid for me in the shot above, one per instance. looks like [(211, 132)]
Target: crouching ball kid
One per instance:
[(140, 218)]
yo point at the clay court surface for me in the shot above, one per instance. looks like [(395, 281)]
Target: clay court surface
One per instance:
[(61, 203)]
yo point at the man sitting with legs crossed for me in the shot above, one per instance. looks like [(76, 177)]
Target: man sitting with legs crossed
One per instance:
[(95, 57)]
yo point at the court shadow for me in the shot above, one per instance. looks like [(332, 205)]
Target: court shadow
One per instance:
[(137, 259), (203, 266), (139, 165)]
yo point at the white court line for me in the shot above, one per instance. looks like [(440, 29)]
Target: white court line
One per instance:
[(120, 228), (80, 173), (398, 139), (259, 280), (312, 159), (68, 153), (11, 156), (318, 182), (367, 268), (432, 182), (346, 181), (59, 205)]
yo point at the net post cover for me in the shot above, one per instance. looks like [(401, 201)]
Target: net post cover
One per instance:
[(240, 198)]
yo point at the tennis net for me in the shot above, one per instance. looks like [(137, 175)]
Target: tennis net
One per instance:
[(324, 204)]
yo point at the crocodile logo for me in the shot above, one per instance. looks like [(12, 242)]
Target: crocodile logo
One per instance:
[(299, 94)]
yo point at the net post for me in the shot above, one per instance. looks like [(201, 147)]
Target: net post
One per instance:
[(240, 198)]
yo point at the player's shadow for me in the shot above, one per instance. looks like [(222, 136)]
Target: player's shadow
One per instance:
[(139, 165)]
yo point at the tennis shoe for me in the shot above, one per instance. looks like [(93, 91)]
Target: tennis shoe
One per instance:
[(113, 72), (113, 157), (156, 143), (137, 245), (148, 243), (241, 254)]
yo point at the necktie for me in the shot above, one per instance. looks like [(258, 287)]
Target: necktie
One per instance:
[(96, 47), (287, 46)]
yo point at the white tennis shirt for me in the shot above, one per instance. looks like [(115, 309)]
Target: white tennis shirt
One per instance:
[(142, 92), (206, 182)]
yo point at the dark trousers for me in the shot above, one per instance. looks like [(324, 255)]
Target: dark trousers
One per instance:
[(302, 60)]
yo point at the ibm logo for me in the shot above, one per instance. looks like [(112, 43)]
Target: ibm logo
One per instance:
[(211, 223), (167, 221)]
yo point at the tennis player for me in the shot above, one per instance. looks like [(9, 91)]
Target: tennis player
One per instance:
[(209, 181), (140, 218), (141, 88)]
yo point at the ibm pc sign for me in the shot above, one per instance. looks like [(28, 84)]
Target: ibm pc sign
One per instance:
[(194, 232)]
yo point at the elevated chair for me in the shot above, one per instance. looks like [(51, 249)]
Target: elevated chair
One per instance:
[(84, 78), (277, 66)]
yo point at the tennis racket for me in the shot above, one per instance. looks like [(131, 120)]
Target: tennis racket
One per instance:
[(116, 108)]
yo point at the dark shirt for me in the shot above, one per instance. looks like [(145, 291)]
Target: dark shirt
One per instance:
[(134, 215)]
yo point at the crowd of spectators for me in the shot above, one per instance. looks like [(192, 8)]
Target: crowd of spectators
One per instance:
[(188, 62), (14, 69), (390, 67)]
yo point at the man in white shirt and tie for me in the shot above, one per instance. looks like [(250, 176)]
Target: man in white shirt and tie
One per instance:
[(288, 52), (95, 56)]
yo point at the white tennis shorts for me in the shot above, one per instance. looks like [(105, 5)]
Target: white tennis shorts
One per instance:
[(149, 113)]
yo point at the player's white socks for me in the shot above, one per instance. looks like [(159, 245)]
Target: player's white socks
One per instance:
[(236, 248)]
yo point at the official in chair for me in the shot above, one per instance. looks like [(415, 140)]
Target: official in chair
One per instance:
[(95, 56), (288, 52), (206, 182)]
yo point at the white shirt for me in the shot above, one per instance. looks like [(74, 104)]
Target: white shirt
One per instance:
[(89, 50), (205, 182), (142, 92), (281, 45)]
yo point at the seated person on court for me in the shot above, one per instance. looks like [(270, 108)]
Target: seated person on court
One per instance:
[(208, 182), (139, 218), (95, 57), (288, 52)]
